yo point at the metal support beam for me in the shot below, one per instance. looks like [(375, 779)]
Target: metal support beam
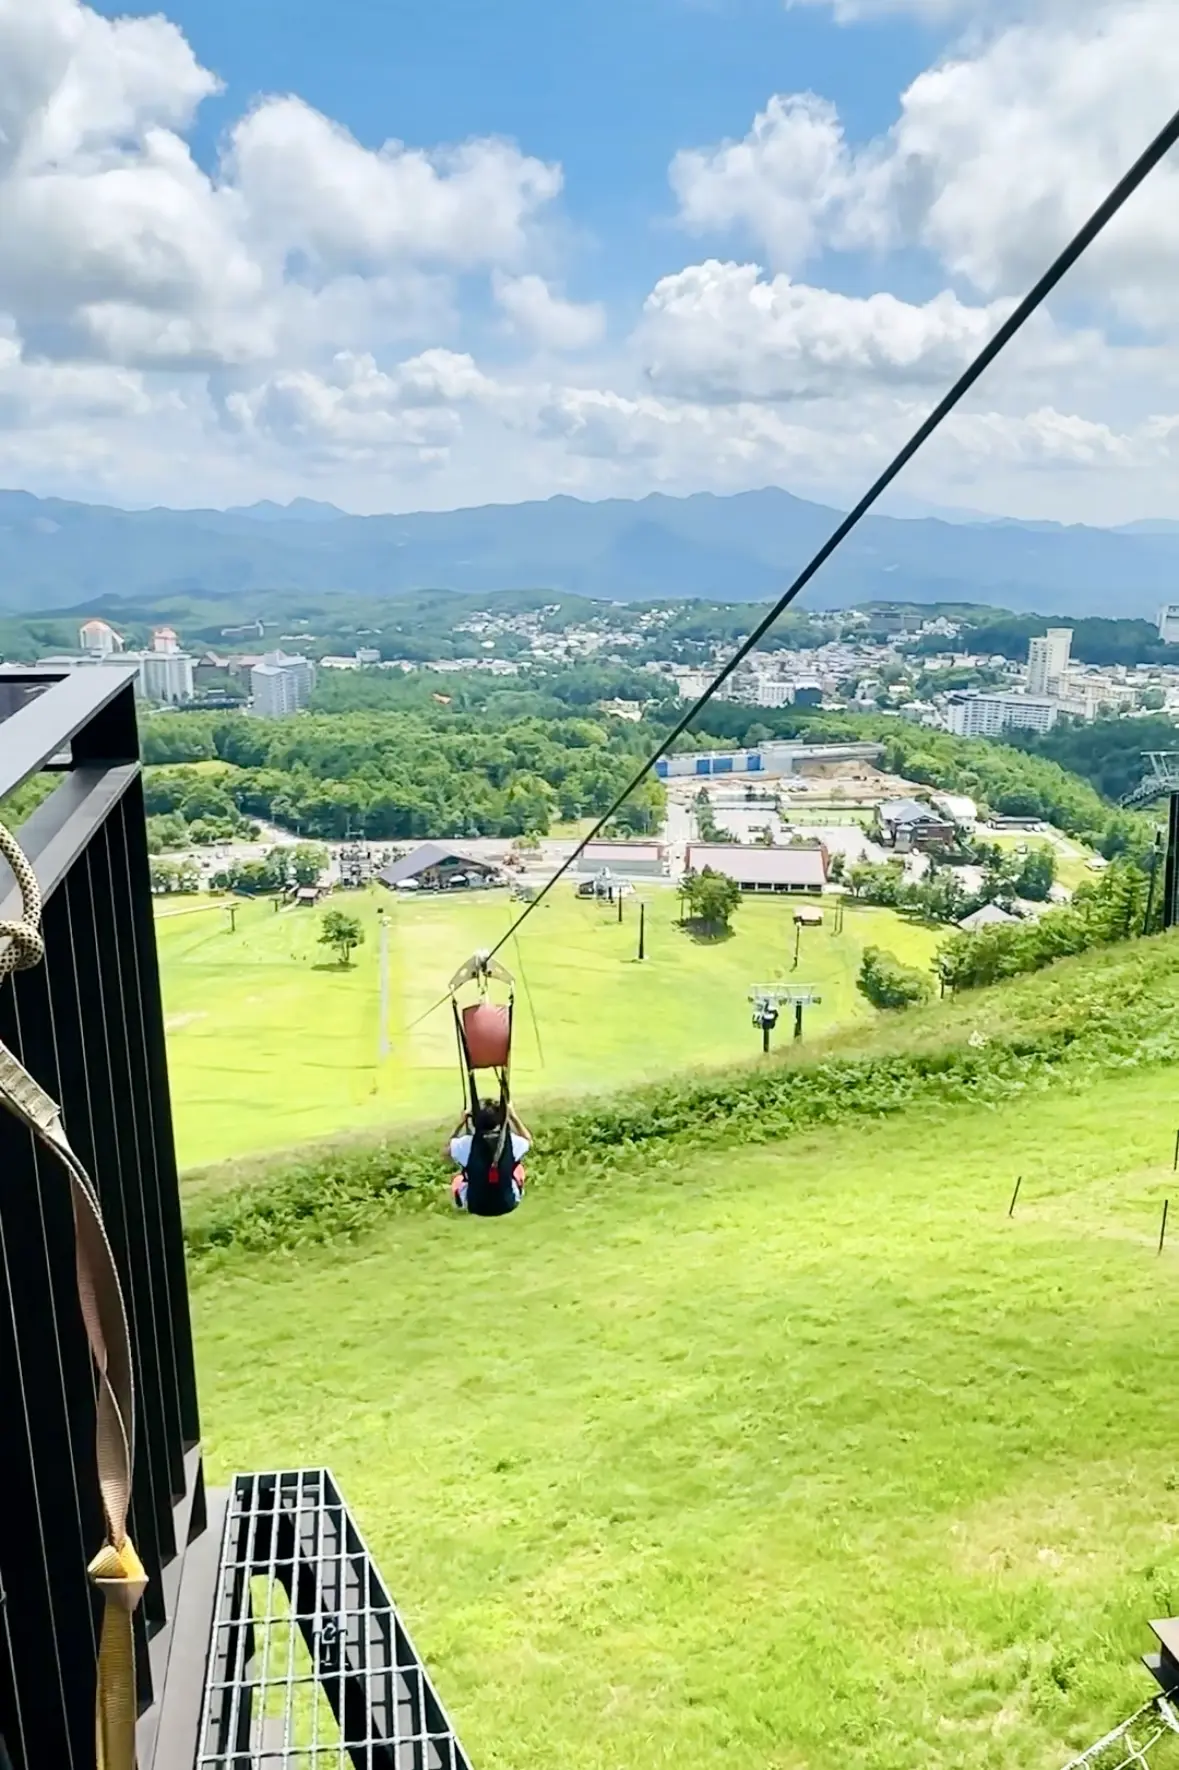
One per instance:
[(1171, 874)]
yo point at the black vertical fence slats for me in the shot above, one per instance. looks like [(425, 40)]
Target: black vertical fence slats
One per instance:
[(89, 1025), (155, 1412), (97, 970), (36, 1030), (44, 1575), (152, 1007), (161, 1188)]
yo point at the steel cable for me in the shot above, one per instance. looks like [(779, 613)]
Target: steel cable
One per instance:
[(1162, 144)]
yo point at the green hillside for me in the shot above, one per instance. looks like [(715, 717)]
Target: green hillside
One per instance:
[(761, 1435), (271, 1044)]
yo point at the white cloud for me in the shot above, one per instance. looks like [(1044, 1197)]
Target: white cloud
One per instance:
[(118, 244), (296, 316), (722, 331), (1001, 151), (998, 157), (781, 183), (547, 319), (309, 186), (356, 410)]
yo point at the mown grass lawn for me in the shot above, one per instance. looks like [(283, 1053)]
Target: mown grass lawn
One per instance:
[(798, 1456), (272, 1044)]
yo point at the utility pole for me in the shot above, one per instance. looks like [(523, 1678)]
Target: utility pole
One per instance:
[(384, 988), (232, 908), (620, 907), (642, 931), (797, 944)]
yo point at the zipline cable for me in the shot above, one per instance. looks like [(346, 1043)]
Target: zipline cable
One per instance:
[(523, 976), (1159, 148)]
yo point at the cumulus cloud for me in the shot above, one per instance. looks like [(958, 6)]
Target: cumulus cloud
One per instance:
[(356, 410), (116, 242), (547, 319), (1000, 152), (294, 315), (783, 183), (723, 331), (309, 186)]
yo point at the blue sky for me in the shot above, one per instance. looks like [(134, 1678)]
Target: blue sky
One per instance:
[(427, 253), (609, 88)]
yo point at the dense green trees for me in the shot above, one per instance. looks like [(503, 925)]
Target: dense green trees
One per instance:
[(887, 983), (1109, 753), (401, 775), (1037, 874), (301, 863), (711, 899), (170, 875), (1112, 910)]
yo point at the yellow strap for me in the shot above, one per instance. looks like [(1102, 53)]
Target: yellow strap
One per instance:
[(118, 1574)]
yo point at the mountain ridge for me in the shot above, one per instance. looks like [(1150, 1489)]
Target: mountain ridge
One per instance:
[(55, 553)]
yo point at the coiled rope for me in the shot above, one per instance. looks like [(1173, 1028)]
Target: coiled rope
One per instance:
[(116, 1570)]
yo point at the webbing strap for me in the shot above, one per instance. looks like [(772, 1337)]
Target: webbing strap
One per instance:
[(116, 1570)]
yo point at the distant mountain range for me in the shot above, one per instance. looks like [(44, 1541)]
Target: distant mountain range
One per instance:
[(55, 554)]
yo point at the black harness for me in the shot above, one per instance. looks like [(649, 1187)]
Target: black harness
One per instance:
[(491, 1165)]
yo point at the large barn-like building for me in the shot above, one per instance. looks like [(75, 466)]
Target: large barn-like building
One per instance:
[(435, 866), (797, 871), (642, 859)]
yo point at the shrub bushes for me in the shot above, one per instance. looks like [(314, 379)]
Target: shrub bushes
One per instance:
[(889, 984)]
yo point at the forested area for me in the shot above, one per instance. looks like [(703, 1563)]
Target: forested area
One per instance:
[(1118, 907), (1096, 640), (1108, 753), (487, 758), (398, 774), (543, 693)]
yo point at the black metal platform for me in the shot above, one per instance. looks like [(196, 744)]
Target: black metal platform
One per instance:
[(311, 1665)]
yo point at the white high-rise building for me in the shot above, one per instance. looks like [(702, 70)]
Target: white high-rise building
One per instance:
[(1169, 623), (986, 715), (281, 684), (165, 676), (773, 691), (1048, 661), (99, 639)]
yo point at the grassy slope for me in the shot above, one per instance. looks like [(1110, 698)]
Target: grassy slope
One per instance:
[(799, 1455), (271, 1045)]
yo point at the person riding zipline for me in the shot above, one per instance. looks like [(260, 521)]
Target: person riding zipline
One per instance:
[(490, 1140), (489, 1148)]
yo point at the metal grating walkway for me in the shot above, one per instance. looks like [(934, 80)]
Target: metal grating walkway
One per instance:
[(310, 1666)]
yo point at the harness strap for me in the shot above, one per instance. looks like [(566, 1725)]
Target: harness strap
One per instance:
[(116, 1571)]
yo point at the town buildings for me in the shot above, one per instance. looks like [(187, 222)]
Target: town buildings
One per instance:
[(98, 639), (986, 715), (1048, 661), (281, 685)]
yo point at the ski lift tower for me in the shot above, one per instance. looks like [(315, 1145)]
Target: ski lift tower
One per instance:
[(768, 998), (1161, 781)]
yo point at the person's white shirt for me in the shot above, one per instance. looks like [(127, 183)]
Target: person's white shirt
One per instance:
[(460, 1148)]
